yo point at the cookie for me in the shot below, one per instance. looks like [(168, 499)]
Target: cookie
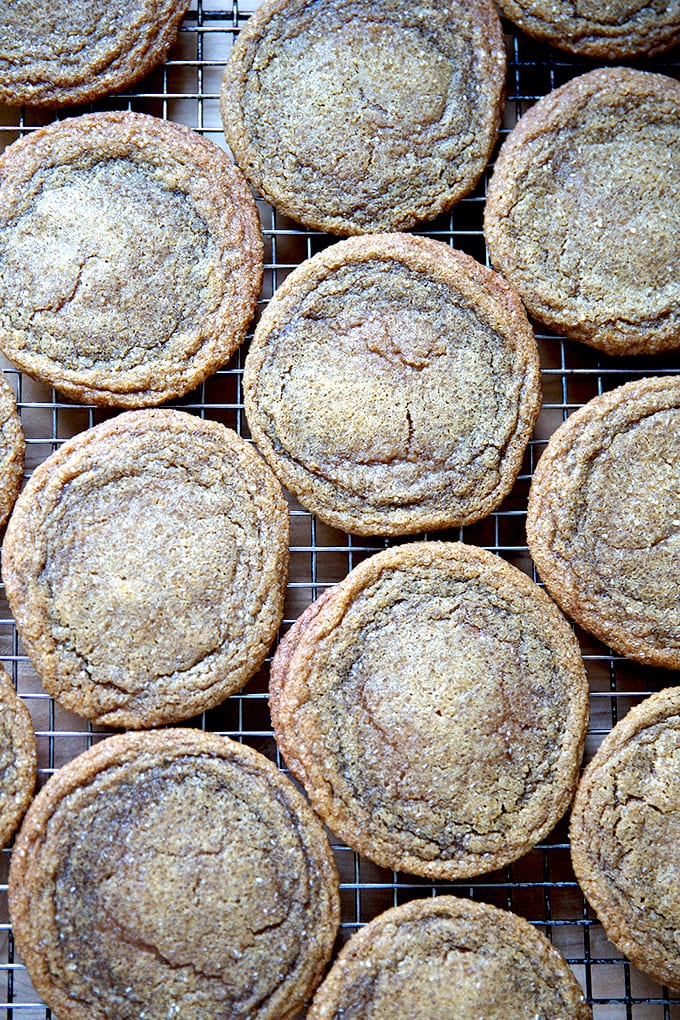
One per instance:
[(625, 827), (355, 116), (583, 211), (61, 52), (145, 564), (434, 706), (130, 258), (452, 959), (12, 450), (607, 31), (17, 759), (173, 874), (603, 525), (392, 385)]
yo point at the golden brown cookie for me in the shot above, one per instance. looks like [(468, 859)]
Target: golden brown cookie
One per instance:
[(130, 258), (603, 525), (594, 28), (355, 116), (434, 706), (145, 564), (17, 759), (583, 211), (392, 385), (625, 832), (12, 450), (452, 959), (61, 52), (173, 874)]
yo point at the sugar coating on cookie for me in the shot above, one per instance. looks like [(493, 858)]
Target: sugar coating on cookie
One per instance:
[(58, 52), (12, 449), (452, 959), (434, 433), (146, 564), (607, 29), (583, 211), (365, 115), (130, 258), (625, 831), (174, 873), (603, 524), (434, 705), (17, 758)]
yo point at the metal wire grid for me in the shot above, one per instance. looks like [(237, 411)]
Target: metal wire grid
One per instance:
[(541, 886)]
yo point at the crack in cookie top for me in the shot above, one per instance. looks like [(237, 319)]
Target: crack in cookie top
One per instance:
[(130, 258), (173, 874), (434, 705), (146, 564), (66, 52), (365, 115)]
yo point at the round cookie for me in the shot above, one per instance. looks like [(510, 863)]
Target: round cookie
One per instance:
[(452, 959), (173, 873), (145, 564), (625, 829), (17, 759), (354, 116), (12, 450), (392, 384), (60, 52), (583, 211), (608, 31), (434, 706), (603, 525), (130, 258)]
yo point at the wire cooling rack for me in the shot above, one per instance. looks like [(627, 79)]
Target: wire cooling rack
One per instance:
[(541, 886)]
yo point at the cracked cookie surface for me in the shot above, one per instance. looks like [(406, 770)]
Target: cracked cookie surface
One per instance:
[(56, 52), (17, 758), (12, 450), (130, 258), (145, 564), (364, 115), (583, 211), (452, 959), (609, 30), (603, 524), (434, 705), (625, 832), (173, 874), (450, 385)]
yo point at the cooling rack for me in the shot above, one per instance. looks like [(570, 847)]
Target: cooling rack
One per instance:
[(541, 885)]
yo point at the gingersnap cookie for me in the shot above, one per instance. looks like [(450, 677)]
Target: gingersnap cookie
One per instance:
[(607, 31), (392, 385), (12, 450), (130, 258), (60, 52), (145, 564), (356, 116), (453, 959), (625, 827), (173, 874), (434, 706), (603, 525), (17, 758), (583, 211)]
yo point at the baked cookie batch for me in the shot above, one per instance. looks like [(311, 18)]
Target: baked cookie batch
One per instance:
[(433, 705)]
